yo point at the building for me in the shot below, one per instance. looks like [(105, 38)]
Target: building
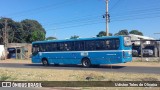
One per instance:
[(19, 50), (136, 39)]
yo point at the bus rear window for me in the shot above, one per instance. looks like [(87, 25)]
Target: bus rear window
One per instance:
[(127, 41)]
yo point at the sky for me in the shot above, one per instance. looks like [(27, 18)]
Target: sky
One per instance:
[(65, 18)]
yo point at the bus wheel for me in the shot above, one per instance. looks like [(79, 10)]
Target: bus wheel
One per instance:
[(86, 62), (45, 62)]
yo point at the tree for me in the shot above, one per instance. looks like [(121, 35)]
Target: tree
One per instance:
[(33, 30), (15, 30), (103, 33), (122, 32), (37, 36), (136, 32), (74, 37), (51, 38), (25, 31)]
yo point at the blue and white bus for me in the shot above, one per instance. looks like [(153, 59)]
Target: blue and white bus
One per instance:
[(85, 51)]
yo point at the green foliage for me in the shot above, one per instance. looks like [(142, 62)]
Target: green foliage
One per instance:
[(51, 38), (15, 30), (74, 37), (25, 31), (5, 77), (103, 33), (37, 36), (122, 32), (34, 30), (136, 32)]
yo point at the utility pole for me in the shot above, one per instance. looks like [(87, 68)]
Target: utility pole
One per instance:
[(107, 19), (158, 47), (5, 33)]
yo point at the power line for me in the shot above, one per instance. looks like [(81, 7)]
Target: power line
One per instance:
[(76, 25), (138, 11), (53, 6), (116, 4), (136, 18), (151, 7), (82, 20), (136, 14)]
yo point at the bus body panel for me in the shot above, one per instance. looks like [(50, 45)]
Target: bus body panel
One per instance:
[(96, 57)]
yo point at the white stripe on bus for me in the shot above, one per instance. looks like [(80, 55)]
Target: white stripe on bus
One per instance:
[(87, 51)]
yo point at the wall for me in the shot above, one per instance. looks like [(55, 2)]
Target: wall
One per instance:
[(2, 52)]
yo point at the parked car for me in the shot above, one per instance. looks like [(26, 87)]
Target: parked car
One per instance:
[(153, 48), (147, 52), (135, 53)]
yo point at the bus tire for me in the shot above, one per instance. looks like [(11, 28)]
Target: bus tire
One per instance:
[(86, 62), (45, 62)]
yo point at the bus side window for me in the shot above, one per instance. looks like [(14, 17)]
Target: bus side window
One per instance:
[(90, 45), (66, 47), (100, 45), (117, 43), (70, 46), (79, 45), (42, 47), (60, 47), (48, 47), (53, 46), (112, 44), (108, 46)]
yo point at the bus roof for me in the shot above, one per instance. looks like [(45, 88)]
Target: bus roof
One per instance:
[(79, 39)]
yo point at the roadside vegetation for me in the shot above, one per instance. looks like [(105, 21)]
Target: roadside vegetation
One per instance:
[(22, 74)]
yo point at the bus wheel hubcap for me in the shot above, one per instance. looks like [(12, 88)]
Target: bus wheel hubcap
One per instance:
[(85, 63), (45, 62)]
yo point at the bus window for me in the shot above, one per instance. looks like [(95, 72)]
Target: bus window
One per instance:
[(108, 44), (114, 44), (53, 46), (68, 46), (42, 47), (48, 47), (117, 43), (79, 46), (100, 45), (90, 45), (60, 47), (127, 41)]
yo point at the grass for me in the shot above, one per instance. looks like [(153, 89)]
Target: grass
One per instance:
[(21, 74), (4, 77)]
